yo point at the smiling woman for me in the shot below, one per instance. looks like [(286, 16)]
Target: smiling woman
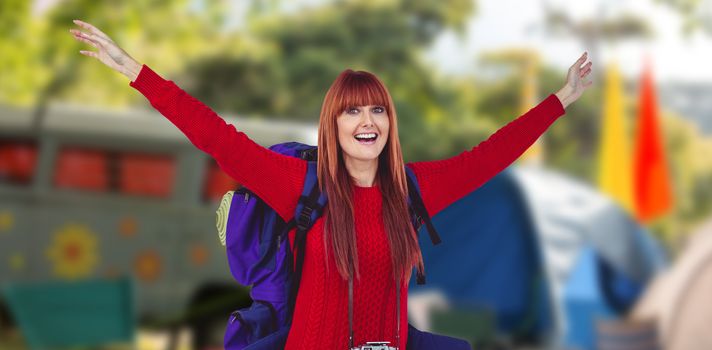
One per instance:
[(352, 106), (360, 253)]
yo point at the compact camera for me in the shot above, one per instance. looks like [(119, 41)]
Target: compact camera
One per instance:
[(375, 345)]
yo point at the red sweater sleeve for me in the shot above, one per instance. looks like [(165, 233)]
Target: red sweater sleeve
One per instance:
[(275, 178), (444, 181)]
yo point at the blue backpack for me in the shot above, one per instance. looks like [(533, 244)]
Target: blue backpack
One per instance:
[(259, 254)]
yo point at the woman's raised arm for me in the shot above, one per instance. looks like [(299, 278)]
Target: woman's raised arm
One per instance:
[(444, 181), (276, 178)]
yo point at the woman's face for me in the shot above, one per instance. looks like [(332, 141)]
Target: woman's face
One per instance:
[(363, 132)]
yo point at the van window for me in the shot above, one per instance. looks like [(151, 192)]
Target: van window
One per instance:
[(146, 174), (18, 161), (82, 169), (217, 182), (128, 173)]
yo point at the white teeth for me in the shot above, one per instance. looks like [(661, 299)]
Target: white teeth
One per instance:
[(365, 136)]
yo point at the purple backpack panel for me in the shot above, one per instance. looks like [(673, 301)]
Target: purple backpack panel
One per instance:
[(260, 256), (250, 253)]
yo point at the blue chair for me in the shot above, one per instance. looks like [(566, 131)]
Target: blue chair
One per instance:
[(73, 314)]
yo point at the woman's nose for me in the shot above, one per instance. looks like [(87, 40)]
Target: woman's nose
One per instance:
[(367, 119)]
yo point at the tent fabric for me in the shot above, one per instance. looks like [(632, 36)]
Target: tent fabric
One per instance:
[(494, 265), (517, 254), (573, 217), (678, 300)]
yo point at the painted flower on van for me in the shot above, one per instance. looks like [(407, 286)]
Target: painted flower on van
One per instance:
[(147, 266), (17, 262), (128, 226), (6, 221), (73, 251), (198, 255)]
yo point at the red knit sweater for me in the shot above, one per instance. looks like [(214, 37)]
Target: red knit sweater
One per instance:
[(321, 315)]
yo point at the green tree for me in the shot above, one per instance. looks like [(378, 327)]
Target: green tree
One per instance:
[(285, 62), (41, 61)]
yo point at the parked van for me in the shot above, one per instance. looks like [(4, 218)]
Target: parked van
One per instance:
[(92, 193)]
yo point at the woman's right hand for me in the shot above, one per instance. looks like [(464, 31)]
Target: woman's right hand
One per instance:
[(109, 53)]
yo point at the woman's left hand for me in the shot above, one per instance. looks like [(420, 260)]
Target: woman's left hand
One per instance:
[(575, 84)]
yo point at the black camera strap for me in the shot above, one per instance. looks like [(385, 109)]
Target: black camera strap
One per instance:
[(351, 314)]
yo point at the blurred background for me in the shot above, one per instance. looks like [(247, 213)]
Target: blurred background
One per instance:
[(106, 204)]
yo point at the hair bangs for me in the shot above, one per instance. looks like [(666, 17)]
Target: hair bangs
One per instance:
[(361, 89)]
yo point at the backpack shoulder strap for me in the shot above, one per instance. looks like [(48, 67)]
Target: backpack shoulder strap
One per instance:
[(309, 208), (417, 208), (416, 202)]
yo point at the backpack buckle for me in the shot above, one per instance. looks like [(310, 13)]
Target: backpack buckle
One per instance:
[(304, 218)]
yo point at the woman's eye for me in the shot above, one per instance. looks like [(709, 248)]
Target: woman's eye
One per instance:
[(352, 110), (379, 110)]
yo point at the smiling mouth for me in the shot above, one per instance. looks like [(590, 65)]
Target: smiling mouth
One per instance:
[(366, 138)]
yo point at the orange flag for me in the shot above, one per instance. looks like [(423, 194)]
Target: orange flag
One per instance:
[(653, 195)]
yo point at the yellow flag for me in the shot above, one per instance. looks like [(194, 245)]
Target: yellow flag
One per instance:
[(615, 167)]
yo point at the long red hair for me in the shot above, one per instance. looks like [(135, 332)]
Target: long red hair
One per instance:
[(360, 88)]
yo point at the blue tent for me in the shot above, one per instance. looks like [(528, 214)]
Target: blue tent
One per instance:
[(542, 254)]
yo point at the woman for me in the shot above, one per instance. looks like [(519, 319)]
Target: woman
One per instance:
[(365, 233)]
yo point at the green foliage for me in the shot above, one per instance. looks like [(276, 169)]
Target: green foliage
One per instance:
[(691, 172), (43, 61), (571, 144), (308, 49), (22, 69)]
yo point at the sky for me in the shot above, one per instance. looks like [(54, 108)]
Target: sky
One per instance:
[(501, 24), (519, 23)]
